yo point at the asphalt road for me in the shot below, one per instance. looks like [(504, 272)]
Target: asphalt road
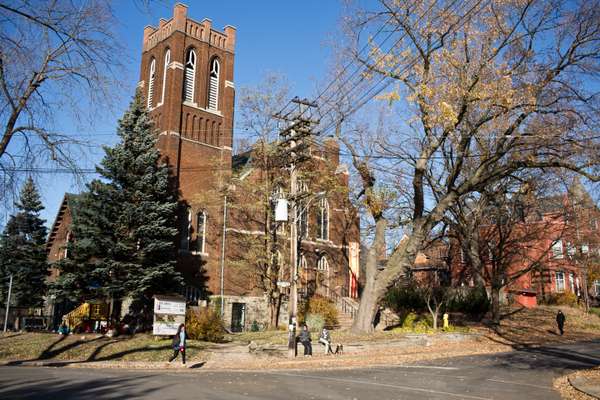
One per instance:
[(524, 374)]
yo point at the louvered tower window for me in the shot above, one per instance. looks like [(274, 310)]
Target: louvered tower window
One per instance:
[(190, 76), (213, 87), (164, 80), (151, 82)]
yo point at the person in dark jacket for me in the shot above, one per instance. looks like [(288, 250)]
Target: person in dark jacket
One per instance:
[(305, 339), (179, 344), (560, 321)]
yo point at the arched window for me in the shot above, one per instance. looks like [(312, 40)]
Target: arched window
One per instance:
[(303, 264), (151, 82), (323, 264), (186, 224), (201, 219), (190, 76), (213, 85), (164, 80), (323, 220)]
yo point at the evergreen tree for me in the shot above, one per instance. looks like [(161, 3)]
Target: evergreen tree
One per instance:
[(23, 251), (124, 227)]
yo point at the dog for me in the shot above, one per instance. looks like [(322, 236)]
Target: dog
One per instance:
[(339, 349)]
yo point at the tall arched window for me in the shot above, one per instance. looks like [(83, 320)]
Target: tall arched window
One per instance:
[(201, 219), (213, 85), (190, 76), (186, 224), (323, 264), (151, 82), (303, 264), (323, 220), (164, 80)]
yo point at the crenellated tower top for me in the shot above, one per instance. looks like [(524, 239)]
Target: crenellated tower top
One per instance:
[(202, 31)]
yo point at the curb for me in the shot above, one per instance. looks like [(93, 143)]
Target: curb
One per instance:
[(579, 389)]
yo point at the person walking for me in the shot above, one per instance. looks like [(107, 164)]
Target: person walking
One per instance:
[(560, 321), (305, 339), (325, 338), (179, 344)]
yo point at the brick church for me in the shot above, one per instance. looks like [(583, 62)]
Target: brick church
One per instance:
[(187, 77)]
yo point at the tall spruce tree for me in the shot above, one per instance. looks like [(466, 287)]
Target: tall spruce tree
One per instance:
[(124, 226), (23, 251)]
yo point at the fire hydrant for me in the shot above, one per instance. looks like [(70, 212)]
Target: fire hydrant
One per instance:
[(445, 320)]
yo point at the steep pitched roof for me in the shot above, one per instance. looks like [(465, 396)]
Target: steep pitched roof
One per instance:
[(66, 203)]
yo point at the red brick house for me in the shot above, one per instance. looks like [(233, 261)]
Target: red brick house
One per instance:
[(549, 251), (187, 77)]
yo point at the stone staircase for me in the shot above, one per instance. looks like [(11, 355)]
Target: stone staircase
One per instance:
[(347, 309)]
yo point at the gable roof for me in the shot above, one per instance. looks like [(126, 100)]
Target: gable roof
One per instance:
[(66, 203)]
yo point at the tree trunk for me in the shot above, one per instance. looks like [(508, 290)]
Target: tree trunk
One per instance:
[(495, 304), (434, 316), (274, 305)]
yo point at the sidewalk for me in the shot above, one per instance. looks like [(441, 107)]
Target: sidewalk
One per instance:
[(233, 356)]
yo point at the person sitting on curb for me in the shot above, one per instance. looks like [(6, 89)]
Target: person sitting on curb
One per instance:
[(325, 339), (305, 339)]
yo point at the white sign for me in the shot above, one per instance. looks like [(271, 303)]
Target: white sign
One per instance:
[(281, 211), (167, 324), (283, 284), (169, 307)]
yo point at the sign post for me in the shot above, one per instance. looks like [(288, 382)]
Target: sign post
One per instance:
[(169, 313)]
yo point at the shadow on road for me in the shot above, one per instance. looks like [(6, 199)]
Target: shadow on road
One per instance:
[(96, 389)]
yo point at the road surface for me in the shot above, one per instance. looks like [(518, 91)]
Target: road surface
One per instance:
[(523, 374)]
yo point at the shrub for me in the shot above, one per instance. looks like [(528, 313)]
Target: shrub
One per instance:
[(471, 301), (315, 322), (320, 306), (405, 299), (563, 299), (204, 324), (254, 327)]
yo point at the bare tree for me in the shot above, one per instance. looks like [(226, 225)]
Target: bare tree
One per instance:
[(55, 56), (483, 90)]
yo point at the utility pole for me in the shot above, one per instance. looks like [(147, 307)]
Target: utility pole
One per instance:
[(295, 150), (7, 303)]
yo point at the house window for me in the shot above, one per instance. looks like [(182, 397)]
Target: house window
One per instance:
[(585, 249), (213, 85), (191, 293), (557, 249), (597, 287), (151, 82), (572, 282), (201, 219), (571, 250), (323, 220), (189, 77), (164, 80), (560, 281), (186, 224)]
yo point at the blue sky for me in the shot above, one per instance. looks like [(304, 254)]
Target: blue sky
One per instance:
[(287, 37)]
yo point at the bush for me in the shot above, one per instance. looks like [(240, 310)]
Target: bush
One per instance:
[(315, 322), (204, 324), (471, 301), (563, 299), (320, 306), (405, 299)]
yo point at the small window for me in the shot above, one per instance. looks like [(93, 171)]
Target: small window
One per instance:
[(571, 250), (557, 249), (585, 249), (201, 219), (597, 288), (151, 82), (189, 77), (560, 281), (572, 282), (323, 220), (213, 85), (164, 80)]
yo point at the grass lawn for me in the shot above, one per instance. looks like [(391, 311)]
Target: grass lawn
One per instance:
[(90, 347)]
